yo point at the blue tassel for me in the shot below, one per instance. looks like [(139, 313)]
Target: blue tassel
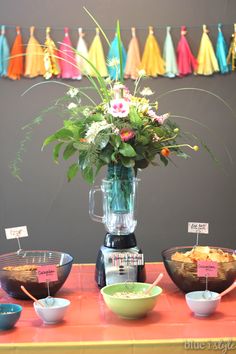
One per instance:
[(114, 59), (169, 55), (4, 53), (221, 51)]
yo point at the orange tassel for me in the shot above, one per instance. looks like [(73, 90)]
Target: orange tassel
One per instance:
[(16, 63), (34, 64), (133, 61)]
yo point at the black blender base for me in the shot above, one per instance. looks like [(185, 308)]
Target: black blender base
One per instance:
[(118, 243)]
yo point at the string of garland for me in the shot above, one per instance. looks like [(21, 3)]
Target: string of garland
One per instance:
[(34, 59)]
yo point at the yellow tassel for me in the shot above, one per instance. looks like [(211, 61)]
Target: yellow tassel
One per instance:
[(152, 61), (50, 57), (207, 61)]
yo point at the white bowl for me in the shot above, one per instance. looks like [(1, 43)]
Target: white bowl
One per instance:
[(54, 313), (200, 305)]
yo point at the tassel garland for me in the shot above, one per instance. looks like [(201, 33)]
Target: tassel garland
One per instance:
[(65, 62)]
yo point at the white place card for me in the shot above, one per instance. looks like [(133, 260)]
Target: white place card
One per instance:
[(127, 259), (198, 227), (16, 232)]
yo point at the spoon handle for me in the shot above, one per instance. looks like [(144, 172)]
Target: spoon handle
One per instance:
[(31, 296), (160, 276), (228, 289)]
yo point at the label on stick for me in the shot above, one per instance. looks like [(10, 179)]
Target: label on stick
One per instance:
[(207, 269), (47, 273), (198, 227), (16, 232)]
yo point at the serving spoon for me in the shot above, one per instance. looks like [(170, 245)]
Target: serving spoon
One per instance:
[(31, 296), (226, 291), (156, 281)]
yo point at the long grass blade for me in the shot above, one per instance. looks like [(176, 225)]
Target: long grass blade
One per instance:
[(120, 51), (100, 28)]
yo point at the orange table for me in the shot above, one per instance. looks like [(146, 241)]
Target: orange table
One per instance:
[(89, 327)]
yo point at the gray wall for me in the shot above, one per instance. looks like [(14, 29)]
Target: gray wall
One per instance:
[(56, 212)]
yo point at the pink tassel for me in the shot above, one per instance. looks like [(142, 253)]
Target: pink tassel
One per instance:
[(67, 61), (186, 61)]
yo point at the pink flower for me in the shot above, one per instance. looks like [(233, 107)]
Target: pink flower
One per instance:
[(126, 134), (119, 108), (158, 119)]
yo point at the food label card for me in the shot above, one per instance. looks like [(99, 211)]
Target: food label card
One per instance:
[(127, 258), (198, 227), (47, 273), (16, 232), (207, 269)]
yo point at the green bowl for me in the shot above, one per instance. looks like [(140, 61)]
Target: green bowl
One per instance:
[(130, 308)]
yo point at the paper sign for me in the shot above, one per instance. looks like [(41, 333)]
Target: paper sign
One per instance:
[(207, 269), (47, 273), (127, 258), (198, 227), (16, 232)]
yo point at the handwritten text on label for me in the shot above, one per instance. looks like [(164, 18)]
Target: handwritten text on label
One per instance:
[(198, 227), (16, 232), (207, 269), (47, 273)]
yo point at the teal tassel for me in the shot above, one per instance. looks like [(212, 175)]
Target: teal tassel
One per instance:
[(221, 51), (4, 53), (114, 59), (169, 55)]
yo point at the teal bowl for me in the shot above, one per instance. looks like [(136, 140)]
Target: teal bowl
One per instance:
[(9, 315), (130, 306)]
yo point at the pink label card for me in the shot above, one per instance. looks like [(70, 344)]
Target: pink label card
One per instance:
[(207, 269), (47, 273)]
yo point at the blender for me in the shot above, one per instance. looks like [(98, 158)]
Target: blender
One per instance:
[(119, 258)]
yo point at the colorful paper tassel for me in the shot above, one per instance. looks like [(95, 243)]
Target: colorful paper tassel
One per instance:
[(231, 58), (83, 50), (96, 57), (113, 59), (186, 61), (152, 61), (133, 61), (16, 62), (34, 64), (67, 60), (4, 53), (169, 55), (221, 51), (207, 62), (51, 63)]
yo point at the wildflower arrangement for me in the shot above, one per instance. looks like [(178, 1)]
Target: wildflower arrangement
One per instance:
[(123, 128)]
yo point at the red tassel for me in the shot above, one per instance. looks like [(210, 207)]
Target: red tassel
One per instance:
[(186, 61)]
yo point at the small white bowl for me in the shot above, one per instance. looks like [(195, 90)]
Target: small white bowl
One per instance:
[(54, 313), (200, 305)]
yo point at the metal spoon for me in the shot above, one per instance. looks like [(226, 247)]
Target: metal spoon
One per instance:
[(160, 276)]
